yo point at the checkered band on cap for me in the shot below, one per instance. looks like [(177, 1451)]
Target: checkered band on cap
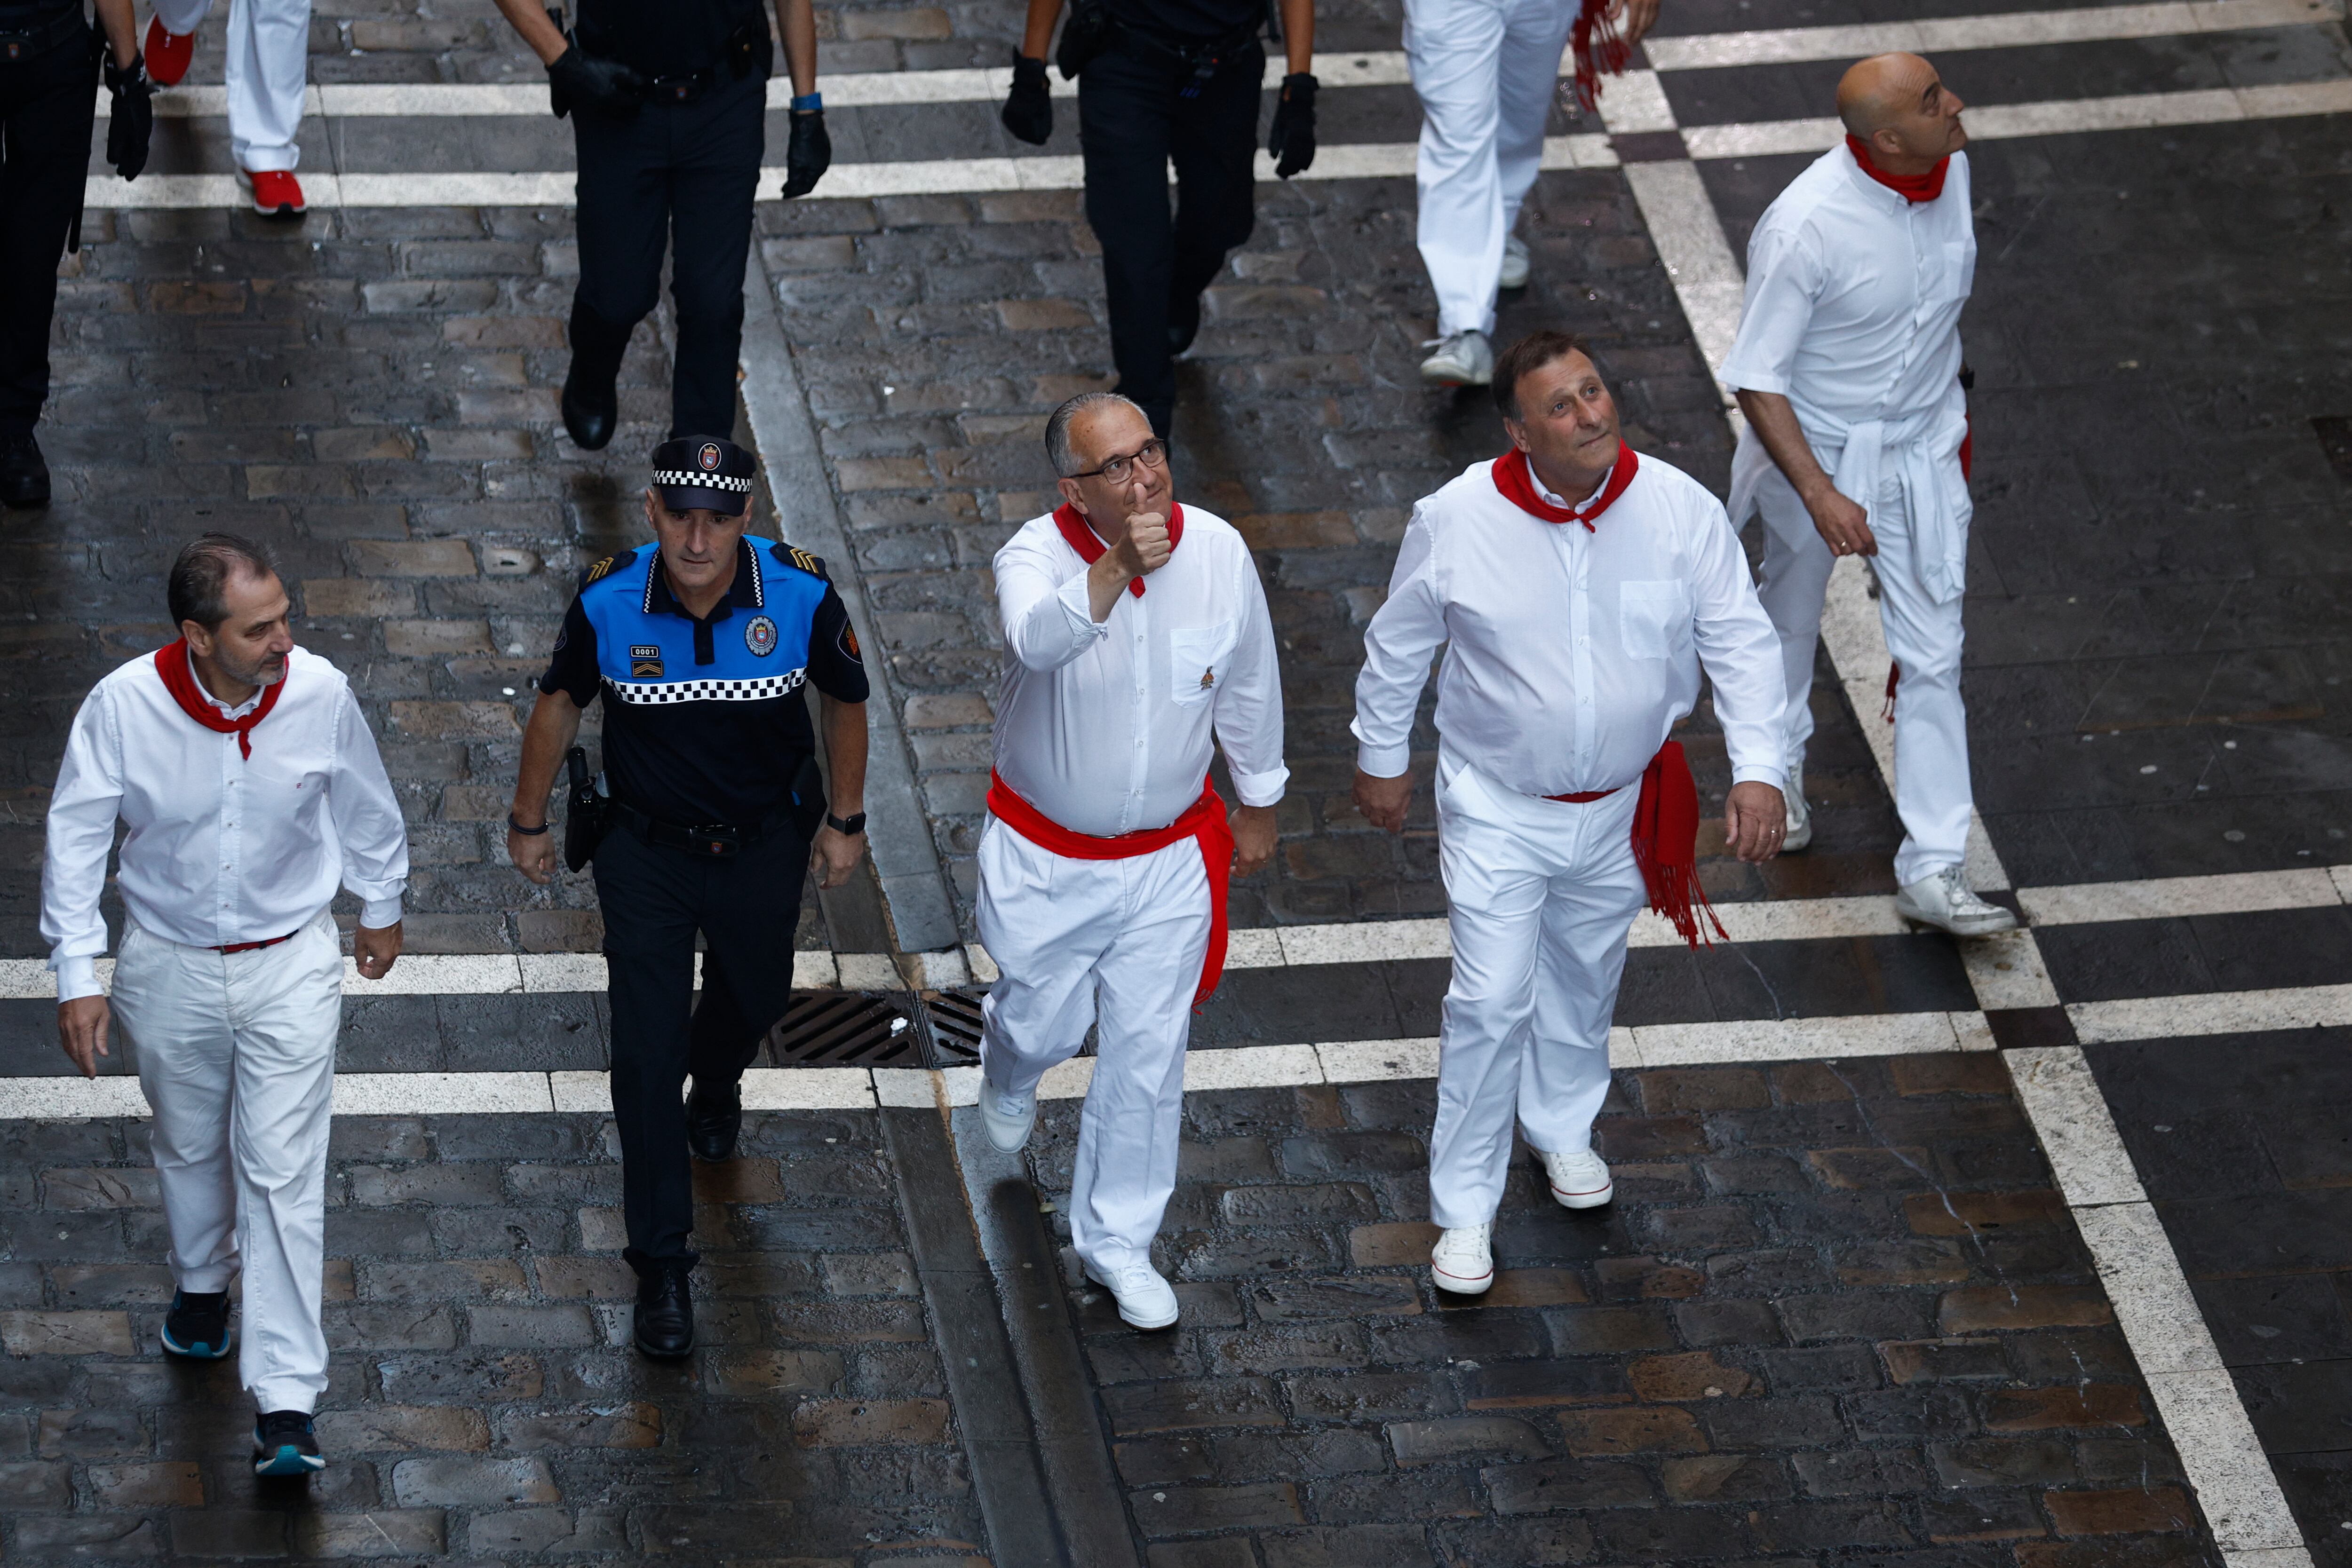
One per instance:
[(758, 688), (695, 479)]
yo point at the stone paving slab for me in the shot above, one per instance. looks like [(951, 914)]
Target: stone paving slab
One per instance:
[(484, 1404), (1835, 1308)]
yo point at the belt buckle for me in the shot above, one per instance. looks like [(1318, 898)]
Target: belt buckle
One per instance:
[(718, 841)]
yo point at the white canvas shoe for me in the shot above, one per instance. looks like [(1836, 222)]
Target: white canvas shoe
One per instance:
[(1515, 262), (1579, 1180), (1464, 360), (1800, 816), (1007, 1118), (1944, 901), (1463, 1261), (1145, 1300)]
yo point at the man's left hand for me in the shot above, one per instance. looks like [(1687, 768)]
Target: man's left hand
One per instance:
[(1253, 836), (833, 855), (1290, 141), (1755, 819), (131, 117), (376, 950), (808, 154), (1635, 19)]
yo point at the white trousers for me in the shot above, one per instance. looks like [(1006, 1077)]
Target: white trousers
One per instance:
[(1932, 791), (1540, 897), (1120, 942), (1485, 71), (237, 1054), (269, 60)]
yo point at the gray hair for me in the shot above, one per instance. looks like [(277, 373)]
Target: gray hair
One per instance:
[(197, 589), (1057, 428)]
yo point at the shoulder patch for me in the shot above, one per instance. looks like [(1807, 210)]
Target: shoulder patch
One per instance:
[(607, 567), (793, 555)]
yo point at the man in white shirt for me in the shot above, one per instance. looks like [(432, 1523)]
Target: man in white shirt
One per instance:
[(1848, 368), (1485, 71), (1134, 629), (252, 790), (1579, 590)]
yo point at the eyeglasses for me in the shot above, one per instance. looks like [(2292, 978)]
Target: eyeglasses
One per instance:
[(1154, 455)]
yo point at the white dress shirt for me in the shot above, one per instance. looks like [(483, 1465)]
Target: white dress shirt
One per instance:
[(1852, 314), (1106, 726), (1570, 654), (222, 849)]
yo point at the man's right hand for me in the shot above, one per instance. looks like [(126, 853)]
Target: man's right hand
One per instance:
[(1843, 526), (1146, 548), (583, 81), (1383, 801), (533, 855), (81, 1029), (1028, 110)]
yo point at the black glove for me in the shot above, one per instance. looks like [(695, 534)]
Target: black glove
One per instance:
[(808, 154), (576, 78), (1029, 106), (1292, 139), (132, 121)]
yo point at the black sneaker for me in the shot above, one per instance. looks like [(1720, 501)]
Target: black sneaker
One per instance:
[(24, 474), (198, 1325), (713, 1117), (284, 1446)]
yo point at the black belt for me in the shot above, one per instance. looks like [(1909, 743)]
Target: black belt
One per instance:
[(1205, 58), (712, 840), (29, 43)]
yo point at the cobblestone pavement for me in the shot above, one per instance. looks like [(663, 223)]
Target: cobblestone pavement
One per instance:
[(1845, 1312)]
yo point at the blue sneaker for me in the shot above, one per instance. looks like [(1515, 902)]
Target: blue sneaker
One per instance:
[(198, 1325), (283, 1445)]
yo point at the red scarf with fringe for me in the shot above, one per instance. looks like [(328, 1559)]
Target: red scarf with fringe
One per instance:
[(172, 664), (1204, 820), (1600, 49), (1082, 539)]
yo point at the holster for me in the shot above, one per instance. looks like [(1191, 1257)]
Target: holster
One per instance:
[(1090, 30), (589, 815)]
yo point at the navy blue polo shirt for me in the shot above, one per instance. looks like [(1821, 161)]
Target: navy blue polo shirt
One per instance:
[(705, 720)]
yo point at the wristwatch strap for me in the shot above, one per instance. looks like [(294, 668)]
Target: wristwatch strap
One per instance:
[(852, 826)]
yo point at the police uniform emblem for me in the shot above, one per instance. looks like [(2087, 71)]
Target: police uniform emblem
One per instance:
[(759, 636), (644, 661), (708, 458)]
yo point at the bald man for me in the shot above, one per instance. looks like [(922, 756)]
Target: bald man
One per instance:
[(1848, 368)]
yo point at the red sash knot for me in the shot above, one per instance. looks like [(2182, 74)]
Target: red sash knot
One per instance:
[(1204, 822), (172, 664)]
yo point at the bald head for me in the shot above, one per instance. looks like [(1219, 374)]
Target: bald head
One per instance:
[(1901, 108)]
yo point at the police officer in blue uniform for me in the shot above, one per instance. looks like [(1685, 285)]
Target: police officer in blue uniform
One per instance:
[(698, 645)]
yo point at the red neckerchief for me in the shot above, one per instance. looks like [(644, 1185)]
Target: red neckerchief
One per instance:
[(1912, 188), (172, 664), (1089, 546), (1515, 477)]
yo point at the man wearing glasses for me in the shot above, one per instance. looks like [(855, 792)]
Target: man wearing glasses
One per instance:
[(1136, 640)]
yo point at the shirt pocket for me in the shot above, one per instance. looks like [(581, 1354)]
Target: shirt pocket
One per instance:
[(1653, 618), (1196, 661), (1959, 268)]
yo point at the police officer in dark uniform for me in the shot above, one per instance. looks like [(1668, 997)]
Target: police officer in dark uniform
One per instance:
[(668, 107), (699, 644), (50, 59), (1160, 80)]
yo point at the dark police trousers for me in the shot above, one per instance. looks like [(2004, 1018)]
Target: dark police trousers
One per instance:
[(654, 899), (671, 171), (47, 105), (1133, 119)]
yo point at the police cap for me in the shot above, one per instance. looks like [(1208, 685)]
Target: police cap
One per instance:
[(708, 473)]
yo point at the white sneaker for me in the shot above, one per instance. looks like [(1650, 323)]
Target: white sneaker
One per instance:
[(1515, 262), (1145, 1300), (1579, 1180), (1008, 1119), (1463, 1261), (1800, 816), (1945, 902), (1464, 360)]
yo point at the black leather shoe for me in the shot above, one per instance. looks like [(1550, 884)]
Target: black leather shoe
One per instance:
[(713, 1117), (24, 474), (665, 1316), (592, 407), (1183, 323)]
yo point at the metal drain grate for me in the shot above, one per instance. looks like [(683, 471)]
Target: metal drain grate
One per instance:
[(954, 1019), (837, 1028)]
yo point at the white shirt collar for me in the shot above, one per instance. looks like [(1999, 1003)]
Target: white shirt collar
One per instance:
[(1545, 493)]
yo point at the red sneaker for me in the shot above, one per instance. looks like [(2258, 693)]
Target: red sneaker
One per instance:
[(276, 193), (168, 54)]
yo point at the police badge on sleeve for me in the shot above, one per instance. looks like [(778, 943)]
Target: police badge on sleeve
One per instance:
[(759, 636)]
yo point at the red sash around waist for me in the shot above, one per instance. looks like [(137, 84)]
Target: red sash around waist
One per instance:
[(1665, 841), (1204, 822)]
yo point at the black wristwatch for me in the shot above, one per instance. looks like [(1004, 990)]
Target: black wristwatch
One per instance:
[(851, 826)]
